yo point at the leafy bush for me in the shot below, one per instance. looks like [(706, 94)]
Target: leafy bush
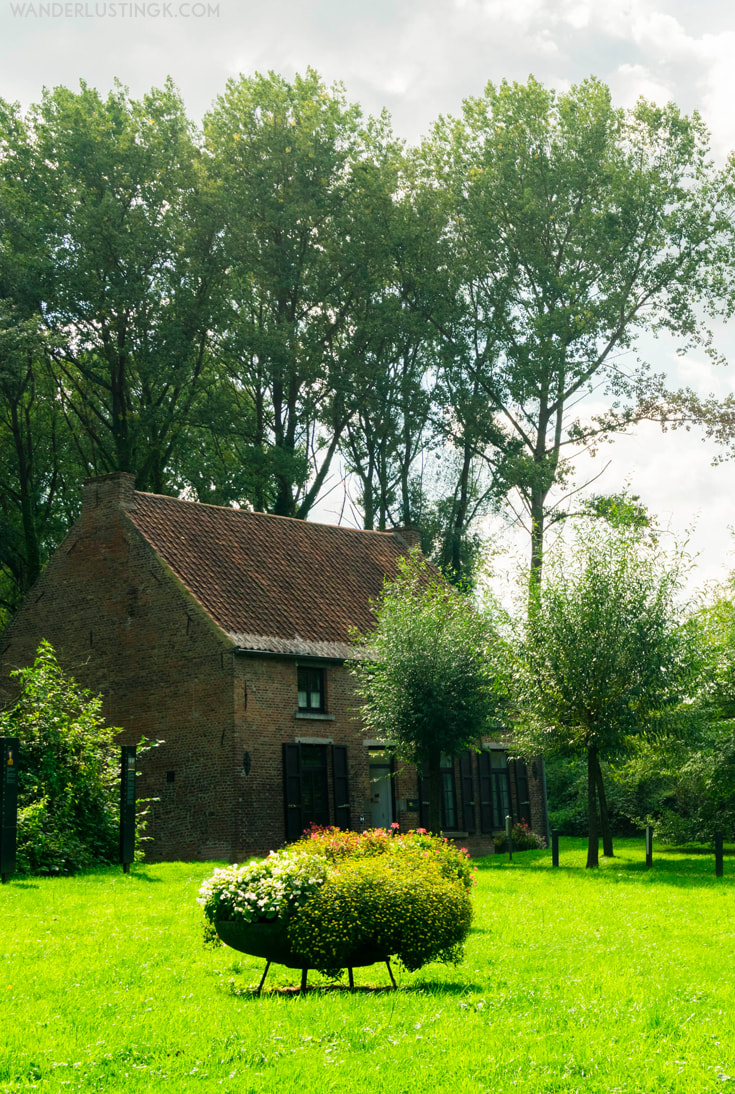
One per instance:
[(523, 839), (68, 776), (566, 780), (334, 891)]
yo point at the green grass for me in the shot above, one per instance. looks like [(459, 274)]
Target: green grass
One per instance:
[(620, 980)]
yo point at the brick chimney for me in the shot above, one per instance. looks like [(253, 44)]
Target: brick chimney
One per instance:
[(115, 491), (409, 534)]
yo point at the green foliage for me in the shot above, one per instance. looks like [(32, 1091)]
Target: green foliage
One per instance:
[(430, 673), (567, 792), (282, 157), (524, 839), (685, 787), (606, 657), (619, 510), (68, 778), (571, 227)]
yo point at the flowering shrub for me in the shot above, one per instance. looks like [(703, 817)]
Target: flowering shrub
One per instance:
[(398, 905), (336, 845), (335, 892), (524, 839), (262, 890)]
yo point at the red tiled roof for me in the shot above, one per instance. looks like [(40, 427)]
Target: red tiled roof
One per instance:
[(271, 583)]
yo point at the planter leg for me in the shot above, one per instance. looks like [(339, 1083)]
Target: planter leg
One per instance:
[(352, 978), (390, 973), (262, 979), (303, 979)]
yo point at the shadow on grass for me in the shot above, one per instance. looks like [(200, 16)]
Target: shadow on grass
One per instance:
[(440, 988), (671, 866), (139, 873)]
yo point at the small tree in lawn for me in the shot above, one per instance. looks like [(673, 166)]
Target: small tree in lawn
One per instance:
[(428, 673), (68, 780), (605, 657)]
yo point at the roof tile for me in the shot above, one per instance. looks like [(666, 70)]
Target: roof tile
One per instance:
[(275, 584)]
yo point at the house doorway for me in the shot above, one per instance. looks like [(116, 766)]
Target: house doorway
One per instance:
[(382, 812)]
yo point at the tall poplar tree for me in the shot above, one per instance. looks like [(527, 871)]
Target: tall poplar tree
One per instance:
[(574, 228), (133, 269), (284, 157)]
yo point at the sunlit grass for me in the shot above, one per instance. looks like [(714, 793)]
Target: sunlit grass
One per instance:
[(616, 980)]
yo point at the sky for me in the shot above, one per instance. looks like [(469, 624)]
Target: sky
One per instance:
[(419, 59)]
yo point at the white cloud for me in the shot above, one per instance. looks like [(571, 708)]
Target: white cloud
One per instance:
[(631, 82)]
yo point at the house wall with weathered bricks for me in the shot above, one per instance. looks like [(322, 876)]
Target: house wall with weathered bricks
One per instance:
[(123, 626), (268, 720)]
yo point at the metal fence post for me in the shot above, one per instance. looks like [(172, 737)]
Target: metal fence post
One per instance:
[(9, 748), (509, 837), (649, 846), (555, 847), (127, 807), (718, 854)]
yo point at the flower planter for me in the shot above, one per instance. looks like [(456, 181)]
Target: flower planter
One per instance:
[(269, 940), (332, 896)]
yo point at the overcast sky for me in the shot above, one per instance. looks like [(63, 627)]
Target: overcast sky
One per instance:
[(418, 59)]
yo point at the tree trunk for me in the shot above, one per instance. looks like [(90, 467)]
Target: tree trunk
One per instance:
[(593, 832), (22, 441), (538, 497), (435, 791), (607, 840), (459, 518)]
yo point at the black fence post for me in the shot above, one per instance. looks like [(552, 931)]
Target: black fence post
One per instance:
[(555, 847), (649, 846), (9, 749), (127, 807), (718, 854), (509, 837)]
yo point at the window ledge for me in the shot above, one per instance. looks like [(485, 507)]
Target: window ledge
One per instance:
[(314, 717)]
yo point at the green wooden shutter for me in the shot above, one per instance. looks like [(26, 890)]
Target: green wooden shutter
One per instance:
[(520, 772), (423, 796), (341, 785), (468, 791), (486, 791), (292, 790)]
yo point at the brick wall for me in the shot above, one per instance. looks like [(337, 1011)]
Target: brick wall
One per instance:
[(123, 626)]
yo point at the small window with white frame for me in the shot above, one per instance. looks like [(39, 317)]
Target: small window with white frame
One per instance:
[(311, 690)]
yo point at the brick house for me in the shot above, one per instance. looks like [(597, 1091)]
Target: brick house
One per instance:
[(224, 634)]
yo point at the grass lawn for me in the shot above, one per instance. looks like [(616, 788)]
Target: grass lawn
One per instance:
[(617, 980)]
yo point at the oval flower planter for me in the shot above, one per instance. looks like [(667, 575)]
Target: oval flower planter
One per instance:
[(269, 939)]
